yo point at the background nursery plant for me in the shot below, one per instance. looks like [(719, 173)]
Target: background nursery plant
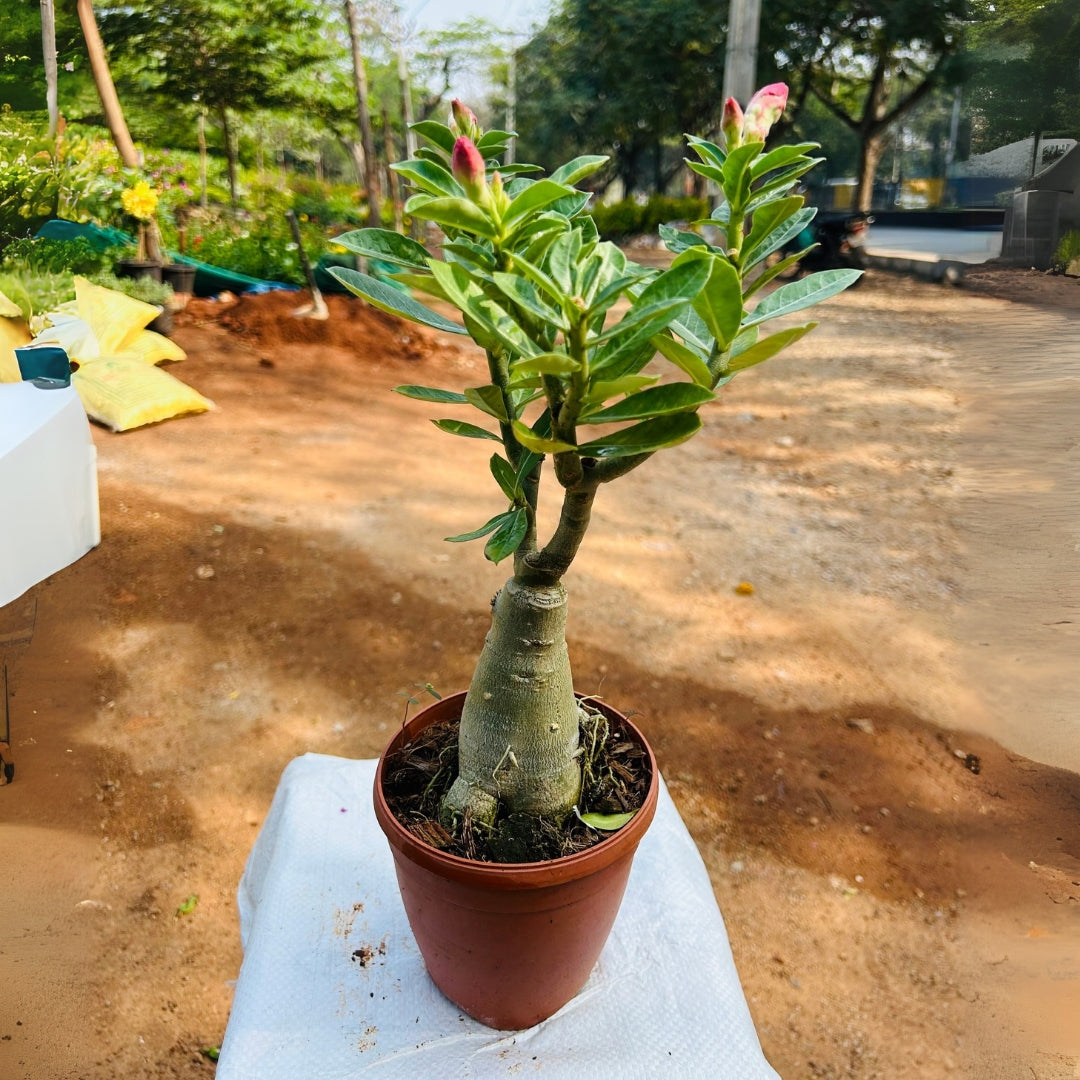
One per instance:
[(569, 395)]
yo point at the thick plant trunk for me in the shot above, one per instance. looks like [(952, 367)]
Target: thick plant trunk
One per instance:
[(110, 103), (519, 728), (363, 119), (870, 151)]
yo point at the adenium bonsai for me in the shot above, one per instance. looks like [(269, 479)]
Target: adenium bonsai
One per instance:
[(569, 326)]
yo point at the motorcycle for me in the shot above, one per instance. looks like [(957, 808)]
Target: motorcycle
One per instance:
[(840, 241)]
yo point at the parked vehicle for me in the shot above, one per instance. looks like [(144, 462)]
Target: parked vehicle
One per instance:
[(840, 239)]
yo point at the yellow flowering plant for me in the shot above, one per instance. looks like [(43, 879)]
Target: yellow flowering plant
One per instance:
[(140, 201)]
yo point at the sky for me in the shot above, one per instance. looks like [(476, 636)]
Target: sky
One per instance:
[(515, 15)]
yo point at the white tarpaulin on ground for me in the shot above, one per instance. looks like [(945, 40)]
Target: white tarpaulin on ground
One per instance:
[(333, 986), (48, 485)]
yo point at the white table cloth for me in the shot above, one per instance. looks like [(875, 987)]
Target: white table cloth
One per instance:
[(333, 986), (48, 485)]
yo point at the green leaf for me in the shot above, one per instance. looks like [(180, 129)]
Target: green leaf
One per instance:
[(644, 438), (507, 536), (468, 431), (702, 168), (188, 906), (762, 243), (802, 294), (437, 133), (736, 179), (684, 357), (719, 303), (430, 177), (523, 293), (549, 363), (656, 401), (767, 348), (516, 168), (387, 246), (430, 393), (562, 260), (424, 283), (534, 198), (780, 184), (782, 155), (387, 298), (678, 240), (537, 443), (604, 389), (488, 399), (605, 822), (488, 526), (457, 214), (707, 151), (491, 138), (505, 477), (775, 271), (578, 169), (539, 277)]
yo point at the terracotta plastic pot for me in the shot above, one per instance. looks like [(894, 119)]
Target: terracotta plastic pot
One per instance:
[(510, 943)]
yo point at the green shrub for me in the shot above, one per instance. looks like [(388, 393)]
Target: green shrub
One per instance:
[(145, 289), (617, 221), (55, 256), (1068, 249), (35, 291)]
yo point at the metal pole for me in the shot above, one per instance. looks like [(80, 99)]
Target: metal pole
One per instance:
[(740, 65)]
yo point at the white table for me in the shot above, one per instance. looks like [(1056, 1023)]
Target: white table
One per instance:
[(333, 986), (48, 485)]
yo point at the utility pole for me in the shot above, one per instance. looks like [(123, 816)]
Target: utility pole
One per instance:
[(48, 49), (511, 98), (740, 65)]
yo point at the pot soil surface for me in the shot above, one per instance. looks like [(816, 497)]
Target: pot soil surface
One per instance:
[(802, 606)]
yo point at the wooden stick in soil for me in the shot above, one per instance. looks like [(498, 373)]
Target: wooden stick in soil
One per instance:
[(317, 308)]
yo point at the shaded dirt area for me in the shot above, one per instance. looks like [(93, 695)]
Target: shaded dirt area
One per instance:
[(902, 896)]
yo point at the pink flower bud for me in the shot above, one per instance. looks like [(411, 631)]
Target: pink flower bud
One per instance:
[(464, 120), (731, 124), (763, 111), (468, 168)]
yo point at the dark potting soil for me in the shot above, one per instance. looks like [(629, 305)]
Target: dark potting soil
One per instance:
[(615, 779)]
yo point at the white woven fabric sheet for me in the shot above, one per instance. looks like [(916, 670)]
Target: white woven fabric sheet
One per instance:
[(48, 485), (333, 986)]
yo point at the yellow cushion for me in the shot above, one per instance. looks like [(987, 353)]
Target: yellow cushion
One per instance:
[(115, 318), (13, 334), (123, 393)]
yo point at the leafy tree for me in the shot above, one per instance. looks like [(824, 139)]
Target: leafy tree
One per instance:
[(622, 78), (22, 70), (1024, 69), (220, 55), (869, 62)]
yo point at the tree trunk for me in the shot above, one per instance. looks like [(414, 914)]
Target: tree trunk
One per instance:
[(871, 148), (110, 103), (230, 154), (48, 51), (392, 178), (519, 727), (363, 119), (202, 158)]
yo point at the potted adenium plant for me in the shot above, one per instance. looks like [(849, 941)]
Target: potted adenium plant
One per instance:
[(140, 204), (570, 327)]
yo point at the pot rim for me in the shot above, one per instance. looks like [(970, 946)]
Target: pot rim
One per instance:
[(515, 875)]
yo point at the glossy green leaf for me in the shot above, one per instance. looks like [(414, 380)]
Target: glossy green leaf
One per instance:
[(719, 303), (578, 169), (606, 822), (430, 393), (517, 168), (782, 155), (644, 438), (488, 526), (678, 240), (802, 294), (387, 298), (760, 245), (429, 177), (492, 138), (736, 178), (707, 169), (468, 431), (523, 293), (656, 401), (456, 214), (539, 277), (707, 151), (387, 246), (562, 260), (505, 477), (507, 536), (775, 271), (685, 358), (571, 205), (549, 363), (424, 283), (437, 133), (767, 348), (780, 184), (539, 444), (534, 198), (604, 389), (488, 399)]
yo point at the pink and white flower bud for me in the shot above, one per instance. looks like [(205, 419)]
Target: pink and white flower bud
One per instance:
[(463, 120), (731, 124), (467, 164), (764, 109)]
